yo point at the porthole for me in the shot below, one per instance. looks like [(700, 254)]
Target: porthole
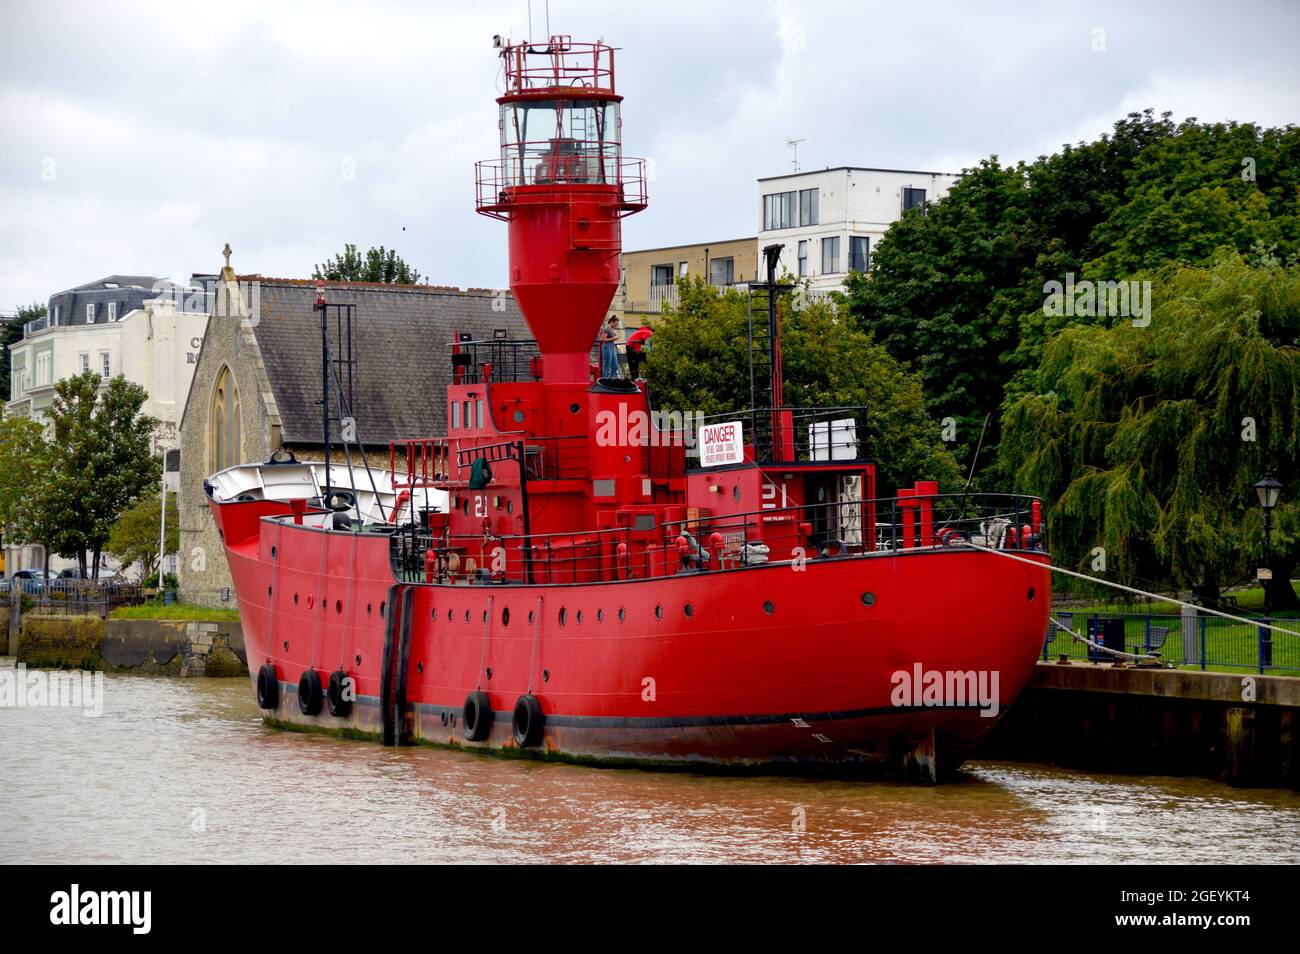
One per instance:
[(622, 614), (370, 609), (868, 599), (574, 409), (768, 607), (689, 610), (485, 616), (295, 599), (419, 667), (505, 616), (530, 617), (464, 506), (1031, 594), (449, 616), (564, 616), (600, 616), (383, 604), (433, 614), (286, 645), (735, 493), (338, 606), (510, 506), (273, 552), (546, 675), (467, 616), (488, 672), (579, 616), (311, 601), (519, 417), (358, 660), (659, 611), (268, 591)]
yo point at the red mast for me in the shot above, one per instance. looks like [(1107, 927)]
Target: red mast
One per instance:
[(563, 185)]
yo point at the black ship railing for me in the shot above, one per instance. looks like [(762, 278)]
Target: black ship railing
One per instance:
[(508, 360), (715, 544), (802, 434)]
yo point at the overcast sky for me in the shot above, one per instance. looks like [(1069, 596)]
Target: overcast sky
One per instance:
[(140, 137)]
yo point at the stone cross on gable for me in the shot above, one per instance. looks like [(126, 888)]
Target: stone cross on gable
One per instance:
[(226, 252)]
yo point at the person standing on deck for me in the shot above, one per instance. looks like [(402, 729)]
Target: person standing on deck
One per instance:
[(609, 349), (638, 342)]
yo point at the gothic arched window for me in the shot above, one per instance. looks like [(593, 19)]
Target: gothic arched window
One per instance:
[(223, 424)]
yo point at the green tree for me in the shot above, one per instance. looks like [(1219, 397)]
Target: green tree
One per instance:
[(102, 464), (377, 265), (24, 460), (958, 292), (700, 362), (1148, 439), (11, 332), (134, 538)]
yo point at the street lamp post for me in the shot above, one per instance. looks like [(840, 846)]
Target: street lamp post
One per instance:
[(1268, 490)]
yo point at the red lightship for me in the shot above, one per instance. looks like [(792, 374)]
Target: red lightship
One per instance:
[(567, 574)]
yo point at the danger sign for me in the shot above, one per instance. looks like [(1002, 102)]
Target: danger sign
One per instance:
[(722, 444)]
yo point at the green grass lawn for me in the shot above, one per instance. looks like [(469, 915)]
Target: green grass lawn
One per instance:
[(1250, 603), (154, 609)]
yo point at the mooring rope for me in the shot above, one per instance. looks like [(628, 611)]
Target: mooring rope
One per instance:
[(1126, 589)]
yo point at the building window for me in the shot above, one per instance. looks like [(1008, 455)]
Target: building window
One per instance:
[(84, 359), (57, 309), (104, 370), (661, 275), (859, 249), (803, 258), (722, 271), (681, 269), (90, 313), (830, 255), (112, 311), (223, 423), (42, 369), (913, 199), (780, 210), (808, 206), (455, 415)]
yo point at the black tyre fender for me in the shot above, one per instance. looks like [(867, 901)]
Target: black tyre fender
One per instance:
[(334, 698), (527, 721), (309, 693), (268, 687), (476, 719)]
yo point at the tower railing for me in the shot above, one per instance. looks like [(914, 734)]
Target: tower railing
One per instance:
[(558, 63), (498, 182)]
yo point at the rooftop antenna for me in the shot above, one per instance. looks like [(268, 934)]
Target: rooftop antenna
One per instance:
[(794, 147)]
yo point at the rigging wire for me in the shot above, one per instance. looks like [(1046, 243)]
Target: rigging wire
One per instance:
[(1127, 589)]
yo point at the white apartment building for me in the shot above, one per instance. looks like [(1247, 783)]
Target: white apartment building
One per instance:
[(118, 325), (830, 219)]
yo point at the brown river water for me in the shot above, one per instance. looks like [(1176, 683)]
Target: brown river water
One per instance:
[(183, 771)]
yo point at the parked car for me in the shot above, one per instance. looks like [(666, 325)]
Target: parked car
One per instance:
[(31, 581)]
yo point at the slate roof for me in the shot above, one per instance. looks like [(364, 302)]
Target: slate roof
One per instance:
[(402, 336)]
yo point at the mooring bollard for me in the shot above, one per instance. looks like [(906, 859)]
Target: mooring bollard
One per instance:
[(15, 616)]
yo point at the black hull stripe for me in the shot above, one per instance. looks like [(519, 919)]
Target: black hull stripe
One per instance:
[(680, 722)]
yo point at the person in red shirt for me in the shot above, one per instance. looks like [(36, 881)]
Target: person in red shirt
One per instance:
[(637, 343)]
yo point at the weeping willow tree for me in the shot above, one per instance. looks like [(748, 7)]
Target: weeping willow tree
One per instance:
[(1146, 441)]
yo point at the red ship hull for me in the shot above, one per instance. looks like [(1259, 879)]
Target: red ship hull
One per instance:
[(765, 667)]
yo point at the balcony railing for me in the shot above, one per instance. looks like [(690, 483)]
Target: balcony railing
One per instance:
[(32, 327)]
